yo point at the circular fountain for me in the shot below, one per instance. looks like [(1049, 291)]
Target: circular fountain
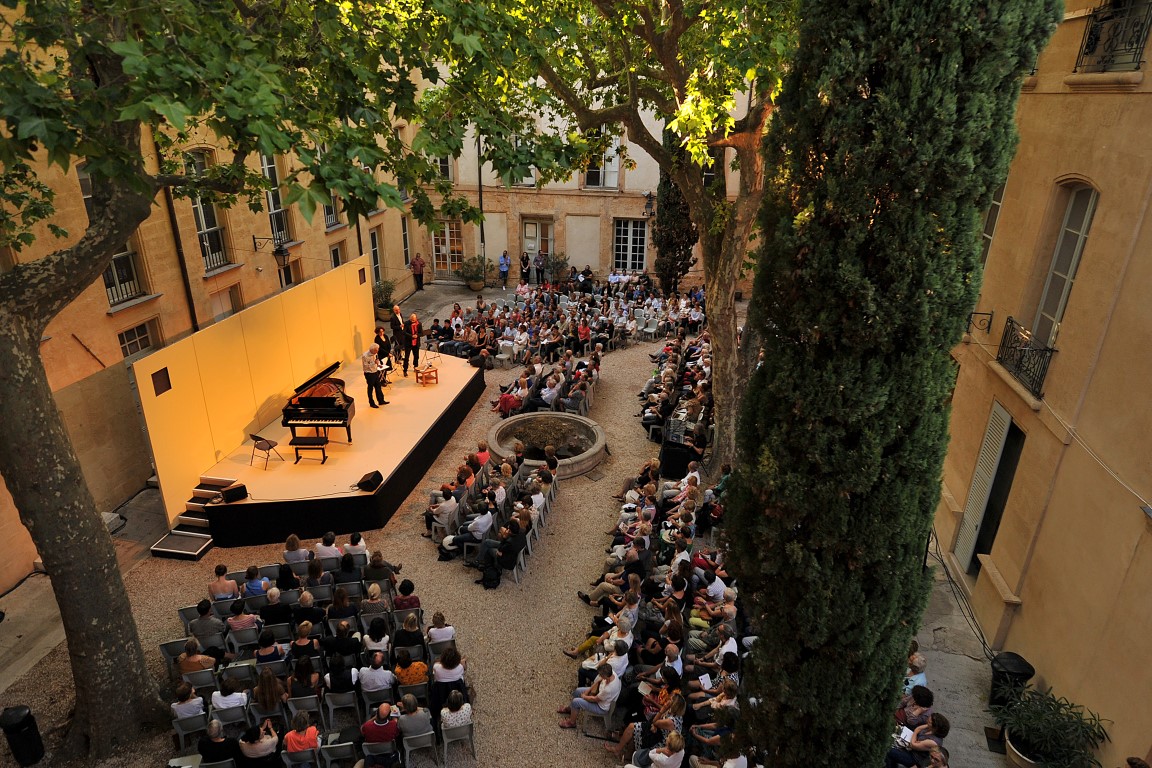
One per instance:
[(580, 442)]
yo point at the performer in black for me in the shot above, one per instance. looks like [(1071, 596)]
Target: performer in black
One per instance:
[(413, 333)]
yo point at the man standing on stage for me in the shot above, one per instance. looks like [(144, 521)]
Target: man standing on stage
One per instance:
[(413, 332), (371, 361), (417, 267)]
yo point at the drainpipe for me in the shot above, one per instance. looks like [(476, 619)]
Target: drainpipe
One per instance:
[(180, 258)]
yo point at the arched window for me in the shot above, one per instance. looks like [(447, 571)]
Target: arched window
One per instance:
[(1065, 261)]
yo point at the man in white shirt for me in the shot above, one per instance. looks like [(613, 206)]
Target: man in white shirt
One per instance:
[(326, 547), (356, 545), (376, 677), (597, 698), (475, 533), (370, 360)]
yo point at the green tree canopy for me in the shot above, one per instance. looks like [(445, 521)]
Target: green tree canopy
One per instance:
[(894, 126)]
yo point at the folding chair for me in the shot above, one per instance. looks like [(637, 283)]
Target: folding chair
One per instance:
[(308, 704), (385, 748), (416, 652), (304, 756), (202, 680), (279, 667), (373, 699), (335, 701), (257, 714), (230, 716), (170, 651), (239, 639), (459, 733), (267, 446), (330, 564), (605, 717), (418, 742), (255, 603), (223, 608), (188, 614), (436, 649), (283, 633), (243, 672), (420, 691), (187, 726), (343, 753)]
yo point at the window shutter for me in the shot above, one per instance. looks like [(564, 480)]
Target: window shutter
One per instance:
[(986, 464)]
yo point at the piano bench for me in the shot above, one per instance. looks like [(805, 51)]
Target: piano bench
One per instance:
[(310, 444)]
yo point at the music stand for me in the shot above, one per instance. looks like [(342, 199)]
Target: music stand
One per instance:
[(432, 355)]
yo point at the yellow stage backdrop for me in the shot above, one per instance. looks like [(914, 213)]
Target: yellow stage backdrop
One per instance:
[(233, 378)]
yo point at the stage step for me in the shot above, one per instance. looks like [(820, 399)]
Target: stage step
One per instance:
[(205, 491), (196, 504), (191, 530), (216, 482), (193, 519), (182, 546)]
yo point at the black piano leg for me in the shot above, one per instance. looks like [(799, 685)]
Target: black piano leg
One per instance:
[(349, 428)]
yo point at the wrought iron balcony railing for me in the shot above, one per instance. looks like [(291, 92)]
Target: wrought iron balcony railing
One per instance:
[(281, 233), (1024, 357), (1115, 37), (121, 281), (213, 250)]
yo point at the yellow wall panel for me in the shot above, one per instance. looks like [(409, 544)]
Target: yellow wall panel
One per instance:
[(306, 349), (267, 344), (335, 313), (362, 320), (227, 383), (178, 423)]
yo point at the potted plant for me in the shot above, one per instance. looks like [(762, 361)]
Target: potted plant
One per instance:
[(382, 297), (1041, 729), (475, 272)]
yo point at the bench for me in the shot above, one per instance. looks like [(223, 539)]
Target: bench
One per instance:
[(310, 444)]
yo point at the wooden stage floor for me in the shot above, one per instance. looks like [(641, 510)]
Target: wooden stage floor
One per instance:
[(399, 440)]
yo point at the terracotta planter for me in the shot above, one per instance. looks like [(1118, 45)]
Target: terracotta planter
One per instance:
[(1014, 756), (384, 314), (475, 285)]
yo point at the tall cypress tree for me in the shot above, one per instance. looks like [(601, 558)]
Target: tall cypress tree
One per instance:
[(893, 127)]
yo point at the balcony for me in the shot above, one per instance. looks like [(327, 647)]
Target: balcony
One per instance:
[(213, 250), (281, 233), (1023, 357), (1115, 36), (121, 282)]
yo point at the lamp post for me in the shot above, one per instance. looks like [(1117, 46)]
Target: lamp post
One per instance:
[(279, 251), (649, 204)]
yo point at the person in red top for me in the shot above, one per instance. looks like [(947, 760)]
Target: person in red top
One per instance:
[(382, 729), (303, 736), (413, 333), (406, 598)]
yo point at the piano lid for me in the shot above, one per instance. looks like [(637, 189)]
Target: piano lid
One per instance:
[(322, 375)]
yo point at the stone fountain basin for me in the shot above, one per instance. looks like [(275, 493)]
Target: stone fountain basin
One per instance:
[(580, 442)]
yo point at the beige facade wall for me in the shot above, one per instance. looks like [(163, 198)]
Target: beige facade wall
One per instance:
[(1066, 579)]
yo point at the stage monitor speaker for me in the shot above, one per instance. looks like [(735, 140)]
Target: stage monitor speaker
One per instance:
[(371, 481), (234, 493)]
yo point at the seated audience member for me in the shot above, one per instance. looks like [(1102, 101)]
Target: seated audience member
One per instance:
[(915, 707), (473, 533), (598, 698), (342, 606), (275, 612), (374, 603), (326, 547), (192, 660), (442, 513), (305, 680), (440, 629), (406, 598), (340, 678), (317, 576), (407, 671), (229, 695), (349, 572), (206, 628), (187, 702), (242, 620), (268, 650), (344, 643), (258, 745), (381, 729), (379, 569), (269, 692), (925, 738), (414, 720), (254, 583), (915, 675), (287, 579), (303, 735), (376, 639), (223, 588), (457, 712), (214, 747), (450, 667), (376, 676), (410, 634), (306, 610), (303, 645), (356, 545), (293, 552)]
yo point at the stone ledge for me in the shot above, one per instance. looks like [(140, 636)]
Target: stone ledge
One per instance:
[(1104, 81)]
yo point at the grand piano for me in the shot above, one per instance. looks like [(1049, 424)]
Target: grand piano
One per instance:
[(320, 403)]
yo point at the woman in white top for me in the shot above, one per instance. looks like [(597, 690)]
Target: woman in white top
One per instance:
[(228, 696), (376, 638), (671, 755), (450, 666)]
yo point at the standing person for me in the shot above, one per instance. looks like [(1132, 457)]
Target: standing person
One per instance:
[(372, 369), (417, 267), (413, 332), (397, 326), (525, 267), (538, 263), (504, 265)]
